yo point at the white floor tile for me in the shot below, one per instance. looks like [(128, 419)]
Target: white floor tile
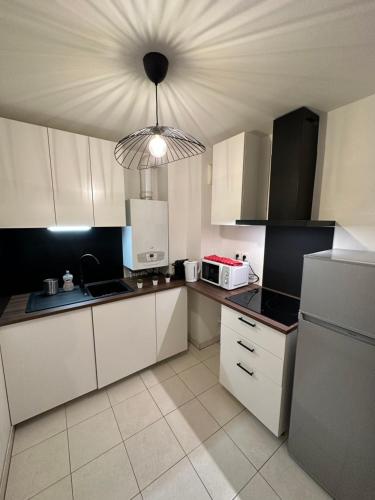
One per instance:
[(222, 467), (198, 378), (86, 407), (171, 394), (180, 482), (254, 439), (34, 469), (192, 424), (108, 477), (257, 489), (289, 480), (157, 374), (136, 413), (38, 429), (206, 353), (213, 364), (61, 490), (125, 389), (153, 451), (92, 437), (183, 361), (220, 403)]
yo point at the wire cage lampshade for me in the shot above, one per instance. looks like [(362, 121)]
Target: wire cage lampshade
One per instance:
[(157, 145)]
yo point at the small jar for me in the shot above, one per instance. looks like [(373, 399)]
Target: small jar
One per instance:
[(155, 280), (139, 283), (167, 278)]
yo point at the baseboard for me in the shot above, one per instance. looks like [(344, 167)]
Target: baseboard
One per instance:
[(5, 472), (202, 345)]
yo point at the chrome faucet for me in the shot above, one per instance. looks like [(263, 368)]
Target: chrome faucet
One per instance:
[(81, 279)]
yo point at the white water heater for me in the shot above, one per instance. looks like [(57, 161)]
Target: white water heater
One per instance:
[(145, 238)]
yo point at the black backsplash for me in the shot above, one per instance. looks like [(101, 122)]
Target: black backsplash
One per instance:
[(284, 251), (28, 256)]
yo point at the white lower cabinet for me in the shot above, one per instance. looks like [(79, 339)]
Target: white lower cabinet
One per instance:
[(256, 366), (47, 362), (125, 337), (171, 322)]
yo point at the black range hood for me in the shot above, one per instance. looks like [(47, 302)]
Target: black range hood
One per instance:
[(293, 163)]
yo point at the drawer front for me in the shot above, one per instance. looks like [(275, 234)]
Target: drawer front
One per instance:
[(255, 331), (253, 389), (252, 355)]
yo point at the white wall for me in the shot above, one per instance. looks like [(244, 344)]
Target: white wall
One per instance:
[(347, 191)]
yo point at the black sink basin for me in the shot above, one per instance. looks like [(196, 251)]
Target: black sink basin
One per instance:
[(106, 288)]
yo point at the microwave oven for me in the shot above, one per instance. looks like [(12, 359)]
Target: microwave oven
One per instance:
[(225, 276)]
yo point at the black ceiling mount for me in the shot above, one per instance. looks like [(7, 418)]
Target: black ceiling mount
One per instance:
[(156, 66)]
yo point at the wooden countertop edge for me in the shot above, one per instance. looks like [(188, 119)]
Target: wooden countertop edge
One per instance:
[(14, 312), (220, 295)]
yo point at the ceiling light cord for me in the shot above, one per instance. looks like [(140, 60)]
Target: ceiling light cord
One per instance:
[(156, 104)]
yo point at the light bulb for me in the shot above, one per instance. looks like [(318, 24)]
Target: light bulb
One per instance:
[(157, 146)]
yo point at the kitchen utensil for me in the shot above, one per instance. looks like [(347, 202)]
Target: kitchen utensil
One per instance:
[(51, 286)]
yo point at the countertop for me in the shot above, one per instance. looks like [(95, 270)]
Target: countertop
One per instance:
[(14, 312), (220, 295)]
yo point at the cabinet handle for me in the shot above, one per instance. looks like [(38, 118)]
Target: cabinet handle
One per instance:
[(244, 369), (251, 349), (247, 322)]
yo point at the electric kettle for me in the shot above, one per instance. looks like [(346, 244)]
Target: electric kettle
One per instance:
[(191, 270)]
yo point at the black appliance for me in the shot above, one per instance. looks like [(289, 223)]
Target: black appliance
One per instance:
[(179, 269), (276, 306), (293, 162)]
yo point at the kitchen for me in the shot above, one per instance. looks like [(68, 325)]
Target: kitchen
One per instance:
[(186, 309)]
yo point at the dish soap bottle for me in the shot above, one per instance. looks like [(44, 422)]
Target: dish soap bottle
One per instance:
[(68, 282)]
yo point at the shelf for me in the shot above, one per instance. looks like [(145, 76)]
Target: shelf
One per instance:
[(287, 223)]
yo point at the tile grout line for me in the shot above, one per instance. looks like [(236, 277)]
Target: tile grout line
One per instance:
[(47, 487), (70, 464), (127, 454)]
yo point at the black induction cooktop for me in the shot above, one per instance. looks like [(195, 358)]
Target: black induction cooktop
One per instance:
[(273, 305)]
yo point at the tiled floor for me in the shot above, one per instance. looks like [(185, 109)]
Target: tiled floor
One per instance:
[(171, 432)]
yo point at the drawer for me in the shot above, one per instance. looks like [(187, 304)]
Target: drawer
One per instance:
[(255, 331), (256, 392), (249, 353)]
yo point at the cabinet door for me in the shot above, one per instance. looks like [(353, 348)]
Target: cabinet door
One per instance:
[(171, 322), (227, 172), (71, 175), (108, 188), (47, 362), (26, 197), (125, 337)]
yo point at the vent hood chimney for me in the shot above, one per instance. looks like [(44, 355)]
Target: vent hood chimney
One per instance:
[(291, 182)]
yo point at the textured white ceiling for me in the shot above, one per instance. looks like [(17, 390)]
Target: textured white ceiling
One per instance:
[(234, 65)]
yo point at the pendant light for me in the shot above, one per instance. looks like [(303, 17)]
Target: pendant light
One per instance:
[(156, 145)]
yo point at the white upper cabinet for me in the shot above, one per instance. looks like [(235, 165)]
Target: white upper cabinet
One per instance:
[(71, 173), (26, 197), (240, 178), (171, 322), (107, 184)]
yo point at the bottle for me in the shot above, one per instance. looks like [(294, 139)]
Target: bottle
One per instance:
[(68, 282)]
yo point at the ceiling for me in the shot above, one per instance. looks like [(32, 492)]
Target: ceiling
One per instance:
[(234, 65)]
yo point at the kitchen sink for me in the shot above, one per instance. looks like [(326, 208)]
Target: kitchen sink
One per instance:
[(106, 288)]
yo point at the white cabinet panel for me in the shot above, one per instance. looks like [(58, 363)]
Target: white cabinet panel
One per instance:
[(4, 420), (47, 362), (227, 164), (171, 322), (107, 184), (125, 337), (26, 197), (71, 173)]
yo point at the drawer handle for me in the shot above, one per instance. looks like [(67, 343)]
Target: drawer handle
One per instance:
[(244, 369), (251, 349), (247, 322)]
